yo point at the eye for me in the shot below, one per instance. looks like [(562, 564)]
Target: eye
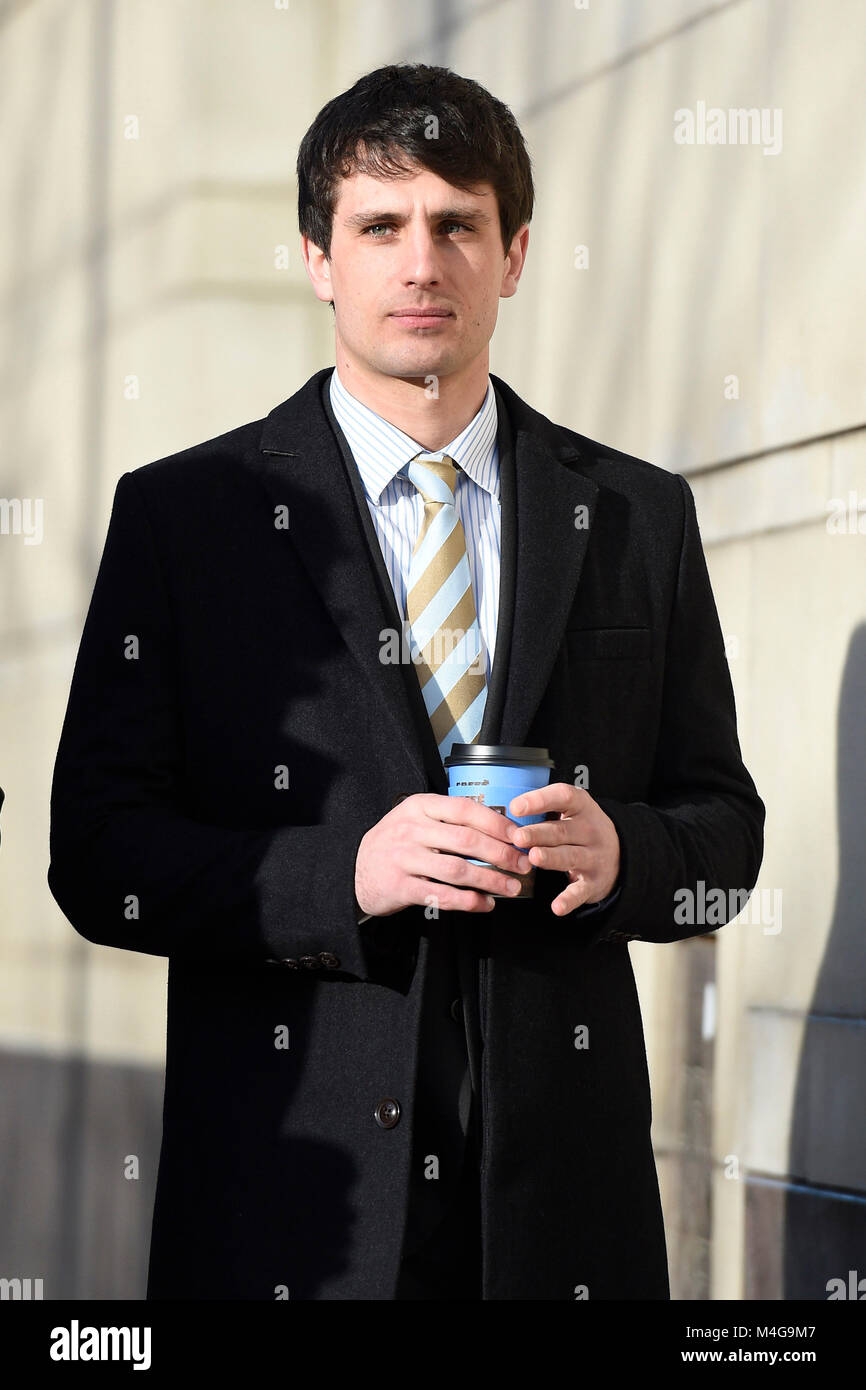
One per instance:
[(372, 227)]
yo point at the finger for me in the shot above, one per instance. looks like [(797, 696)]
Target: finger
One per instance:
[(450, 869), (565, 858), (573, 830), (575, 895), (474, 844), (444, 897), (462, 810), (558, 796)]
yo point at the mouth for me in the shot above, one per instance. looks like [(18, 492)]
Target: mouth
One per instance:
[(421, 318)]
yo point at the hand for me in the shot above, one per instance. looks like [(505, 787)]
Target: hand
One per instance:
[(582, 842), (413, 853)]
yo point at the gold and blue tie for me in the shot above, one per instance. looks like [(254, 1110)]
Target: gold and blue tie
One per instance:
[(440, 610)]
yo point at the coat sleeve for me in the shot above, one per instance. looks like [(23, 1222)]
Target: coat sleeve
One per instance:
[(702, 826), (127, 866)]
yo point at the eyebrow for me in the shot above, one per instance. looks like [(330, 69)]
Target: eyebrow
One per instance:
[(455, 214)]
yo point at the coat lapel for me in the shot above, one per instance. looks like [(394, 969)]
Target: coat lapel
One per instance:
[(304, 464), (547, 511)]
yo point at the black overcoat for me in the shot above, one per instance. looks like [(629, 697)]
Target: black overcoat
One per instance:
[(231, 734)]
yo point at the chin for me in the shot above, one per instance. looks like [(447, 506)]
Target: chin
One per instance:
[(410, 365)]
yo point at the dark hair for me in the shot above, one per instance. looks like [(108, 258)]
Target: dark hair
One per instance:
[(380, 127)]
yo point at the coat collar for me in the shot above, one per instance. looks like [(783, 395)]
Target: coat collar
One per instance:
[(301, 466)]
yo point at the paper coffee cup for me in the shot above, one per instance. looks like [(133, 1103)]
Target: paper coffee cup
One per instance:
[(493, 774)]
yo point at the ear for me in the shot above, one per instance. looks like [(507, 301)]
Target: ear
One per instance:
[(318, 268), (514, 262)]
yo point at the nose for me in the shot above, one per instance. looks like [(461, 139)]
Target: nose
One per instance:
[(421, 258)]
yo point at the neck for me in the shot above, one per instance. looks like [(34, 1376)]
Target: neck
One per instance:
[(406, 401)]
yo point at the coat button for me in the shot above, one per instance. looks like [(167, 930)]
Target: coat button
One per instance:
[(456, 1008), (387, 1113), (311, 962), (329, 960)]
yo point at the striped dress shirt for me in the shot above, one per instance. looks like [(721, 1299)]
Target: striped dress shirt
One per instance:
[(382, 453)]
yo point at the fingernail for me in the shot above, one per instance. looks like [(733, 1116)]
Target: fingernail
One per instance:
[(491, 901), (524, 862)]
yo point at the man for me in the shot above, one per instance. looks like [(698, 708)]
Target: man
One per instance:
[(381, 1082)]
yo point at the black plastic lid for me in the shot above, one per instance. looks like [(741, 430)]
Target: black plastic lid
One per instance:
[(498, 753)]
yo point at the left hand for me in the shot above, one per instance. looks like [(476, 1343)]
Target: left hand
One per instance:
[(582, 843)]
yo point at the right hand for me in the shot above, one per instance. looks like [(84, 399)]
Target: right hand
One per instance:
[(421, 840)]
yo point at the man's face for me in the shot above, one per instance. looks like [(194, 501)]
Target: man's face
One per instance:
[(415, 243)]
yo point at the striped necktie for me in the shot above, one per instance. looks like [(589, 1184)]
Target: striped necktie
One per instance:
[(440, 610)]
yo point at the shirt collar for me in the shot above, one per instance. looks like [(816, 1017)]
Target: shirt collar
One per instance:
[(381, 450)]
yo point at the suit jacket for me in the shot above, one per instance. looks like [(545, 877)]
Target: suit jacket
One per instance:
[(231, 735)]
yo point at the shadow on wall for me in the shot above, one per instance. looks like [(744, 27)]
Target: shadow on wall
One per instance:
[(816, 1225)]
